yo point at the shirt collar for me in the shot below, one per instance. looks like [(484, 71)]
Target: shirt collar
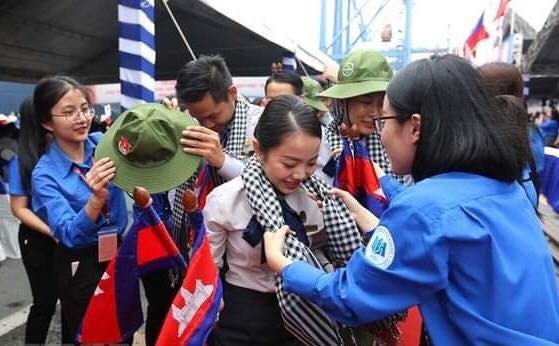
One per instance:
[(63, 162)]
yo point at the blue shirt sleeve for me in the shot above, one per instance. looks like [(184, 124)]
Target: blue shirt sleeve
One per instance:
[(404, 261), (73, 229), (14, 179), (390, 186)]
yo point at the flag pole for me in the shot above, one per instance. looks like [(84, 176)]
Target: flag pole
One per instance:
[(511, 35), (165, 3)]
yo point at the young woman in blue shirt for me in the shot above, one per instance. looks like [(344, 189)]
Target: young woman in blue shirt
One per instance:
[(36, 241), (74, 196), (464, 243)]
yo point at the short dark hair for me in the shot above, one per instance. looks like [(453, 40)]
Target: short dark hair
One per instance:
[(462, 129), (283, 115), (208, 74), (287, 77), (501, 78)]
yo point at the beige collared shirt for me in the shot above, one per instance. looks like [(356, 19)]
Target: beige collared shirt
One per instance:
[(227, 214)]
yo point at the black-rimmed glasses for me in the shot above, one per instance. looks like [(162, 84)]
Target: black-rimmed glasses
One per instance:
[(379, 122)]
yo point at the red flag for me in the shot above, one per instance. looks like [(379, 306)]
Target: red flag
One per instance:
[(355, 173), (114, 312), (194, 309), (204, 185), (502, 10), (478, 34)]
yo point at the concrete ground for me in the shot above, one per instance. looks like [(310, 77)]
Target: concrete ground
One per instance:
[(15, 296)]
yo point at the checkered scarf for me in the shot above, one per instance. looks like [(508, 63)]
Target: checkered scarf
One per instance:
[(374, 146), (303, 319), (233, 139)]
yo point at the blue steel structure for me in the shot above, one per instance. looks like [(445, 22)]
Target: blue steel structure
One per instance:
[(342, 44)]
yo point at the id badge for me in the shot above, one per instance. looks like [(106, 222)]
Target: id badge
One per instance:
[(107, 243)]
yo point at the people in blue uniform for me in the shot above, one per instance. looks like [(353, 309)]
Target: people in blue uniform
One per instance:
[(35, 239), (74, 196), (464, 243)]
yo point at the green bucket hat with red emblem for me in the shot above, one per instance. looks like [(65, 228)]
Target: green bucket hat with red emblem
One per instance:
[(144, 145)]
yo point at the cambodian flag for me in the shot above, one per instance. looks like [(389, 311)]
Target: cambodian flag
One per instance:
[(356, 174), (204, 185), (114, 312), (194, 310)]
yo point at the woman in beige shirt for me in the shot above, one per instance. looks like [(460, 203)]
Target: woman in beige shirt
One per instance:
[(288, 138)]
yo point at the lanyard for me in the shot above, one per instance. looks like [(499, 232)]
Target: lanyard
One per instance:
[(105, 209)]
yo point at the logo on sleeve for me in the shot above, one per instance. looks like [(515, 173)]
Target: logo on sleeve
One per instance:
[(380, 250)]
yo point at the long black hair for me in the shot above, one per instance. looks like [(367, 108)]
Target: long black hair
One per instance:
[(462, 129), (283, 115), (32, 142)]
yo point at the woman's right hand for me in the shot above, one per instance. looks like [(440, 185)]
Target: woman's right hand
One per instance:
[(364, 219), (98, 179)]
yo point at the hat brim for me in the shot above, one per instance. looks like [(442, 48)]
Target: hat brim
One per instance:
[(348, 90), (160, 178), (316, 104)]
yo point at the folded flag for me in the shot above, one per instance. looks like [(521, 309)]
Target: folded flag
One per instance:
[(356, 174), (114, 312), (204, 185), (194, 309)]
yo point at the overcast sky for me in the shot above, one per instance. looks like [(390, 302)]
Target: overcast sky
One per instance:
[(436, 23)]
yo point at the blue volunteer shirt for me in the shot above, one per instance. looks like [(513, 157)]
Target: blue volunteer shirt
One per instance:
[(60, 195), (14, 179), (467, 249)]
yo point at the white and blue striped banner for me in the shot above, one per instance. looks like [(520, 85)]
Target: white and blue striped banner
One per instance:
[(136, 45)]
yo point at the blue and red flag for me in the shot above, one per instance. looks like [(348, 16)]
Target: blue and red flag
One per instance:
[(195, 307), (478, 34), (355, 173), (114, 312), (204, 185)]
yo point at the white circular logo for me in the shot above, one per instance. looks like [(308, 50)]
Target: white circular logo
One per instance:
[(380, 249), (347, 69)]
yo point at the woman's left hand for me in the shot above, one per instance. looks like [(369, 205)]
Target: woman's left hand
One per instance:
[(273, 246)]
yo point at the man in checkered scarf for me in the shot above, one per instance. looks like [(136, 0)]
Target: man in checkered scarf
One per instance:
[(359, 93), (224, 139)]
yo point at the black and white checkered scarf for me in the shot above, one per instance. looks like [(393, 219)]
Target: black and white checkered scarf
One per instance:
[(303, 319), (232, 143)]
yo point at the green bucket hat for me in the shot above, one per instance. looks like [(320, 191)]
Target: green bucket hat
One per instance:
[(311, 89), (362, 72), (144, 145)]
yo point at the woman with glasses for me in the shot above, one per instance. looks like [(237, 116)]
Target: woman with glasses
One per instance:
[(36, 242), (464, 242), (74, 196)]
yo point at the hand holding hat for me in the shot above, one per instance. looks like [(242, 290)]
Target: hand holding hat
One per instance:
[(144, 145)]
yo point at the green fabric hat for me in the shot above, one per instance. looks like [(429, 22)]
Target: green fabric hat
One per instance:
[(311, 89), (362, 72), (144, 145)]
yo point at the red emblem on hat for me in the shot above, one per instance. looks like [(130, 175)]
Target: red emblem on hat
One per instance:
[(124, 146)]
